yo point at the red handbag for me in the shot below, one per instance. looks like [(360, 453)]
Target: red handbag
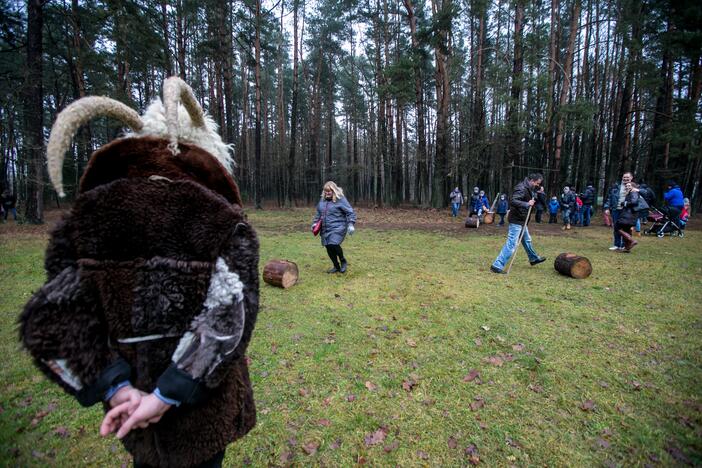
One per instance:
[(318, 225)]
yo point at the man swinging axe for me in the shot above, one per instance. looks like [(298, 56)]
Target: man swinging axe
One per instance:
[(521, 202)]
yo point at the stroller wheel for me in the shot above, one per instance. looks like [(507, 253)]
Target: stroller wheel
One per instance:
[(660, 235), (681, 234)]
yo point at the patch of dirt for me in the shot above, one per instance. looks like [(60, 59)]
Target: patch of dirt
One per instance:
[(11, 229), (381, 219)]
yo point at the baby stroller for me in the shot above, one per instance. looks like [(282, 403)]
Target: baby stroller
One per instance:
[(663, 224)]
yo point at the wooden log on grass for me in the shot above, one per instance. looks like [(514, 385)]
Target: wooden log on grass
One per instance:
[(280, 273), (489, 218), (575, 266), (472, 222)]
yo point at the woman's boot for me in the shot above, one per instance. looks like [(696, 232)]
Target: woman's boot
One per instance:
[(629, 242)]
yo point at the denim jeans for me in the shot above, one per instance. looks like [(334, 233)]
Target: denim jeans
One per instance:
[(510, 247), (454, 209), (566, 216), (587, 212), (618, 241)]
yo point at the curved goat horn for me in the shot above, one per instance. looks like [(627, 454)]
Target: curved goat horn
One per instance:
[(177, 91), (71, 119)]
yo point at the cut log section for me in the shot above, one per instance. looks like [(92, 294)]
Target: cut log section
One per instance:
[(575, 266), (472, 222), (280, 273), (489, 217)]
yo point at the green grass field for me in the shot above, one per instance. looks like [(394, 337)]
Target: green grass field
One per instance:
[(419, 356)]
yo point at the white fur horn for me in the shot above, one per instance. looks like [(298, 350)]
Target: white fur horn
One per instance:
[(177, 91), (71, 119)]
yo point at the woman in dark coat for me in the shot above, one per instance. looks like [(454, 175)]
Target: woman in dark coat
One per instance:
[(338, 218), (628, 216)]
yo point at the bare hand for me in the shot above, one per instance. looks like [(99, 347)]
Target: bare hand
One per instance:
[(532, 202), (127, 399), (607, 212), (149, 411)]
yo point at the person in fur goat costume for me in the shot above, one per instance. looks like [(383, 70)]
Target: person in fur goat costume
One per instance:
[(152, 284)]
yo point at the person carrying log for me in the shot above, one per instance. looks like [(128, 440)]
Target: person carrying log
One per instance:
[(523, 199)]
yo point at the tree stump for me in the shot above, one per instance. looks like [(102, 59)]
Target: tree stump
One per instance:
[(472, 222), (280, 273), (575, 266)]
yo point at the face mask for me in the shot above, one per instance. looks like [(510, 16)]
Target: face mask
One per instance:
[(566, 190)]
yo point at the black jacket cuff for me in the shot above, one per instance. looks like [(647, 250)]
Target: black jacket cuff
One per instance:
[(176, 384), (117, 372)]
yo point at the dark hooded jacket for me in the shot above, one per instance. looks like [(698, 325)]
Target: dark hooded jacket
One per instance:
[(155, 281), (519, 203)]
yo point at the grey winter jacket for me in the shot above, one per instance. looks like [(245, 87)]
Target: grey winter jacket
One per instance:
[(335, 221)]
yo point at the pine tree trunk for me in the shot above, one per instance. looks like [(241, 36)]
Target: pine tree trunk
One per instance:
[(33, 114)]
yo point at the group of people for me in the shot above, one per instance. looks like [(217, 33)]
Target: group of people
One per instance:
[(478, 204)]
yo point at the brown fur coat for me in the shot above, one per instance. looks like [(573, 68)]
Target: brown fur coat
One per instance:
[(136, 257)]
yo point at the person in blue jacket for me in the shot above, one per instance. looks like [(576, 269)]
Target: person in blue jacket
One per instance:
[(674, 200), (502, 207), (338, 219), (553, 206)]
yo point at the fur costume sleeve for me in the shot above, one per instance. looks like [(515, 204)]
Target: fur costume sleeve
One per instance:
[(222, 330), (61, 330)]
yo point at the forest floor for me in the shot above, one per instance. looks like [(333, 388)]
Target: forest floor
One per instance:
[(420, 356)]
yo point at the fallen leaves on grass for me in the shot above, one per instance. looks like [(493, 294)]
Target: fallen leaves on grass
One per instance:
[(536, 388), (62, 432), (409, 384), (350, 397), (371, 386), (452, 442), (677, 454), (518, 347), (472, 453), (495, 361), (472, 375), (602, 443), (311, 447), (411, 343), (478, 342), (324, 422), (335, 445), (286, 457), (477, 403), (588, 405), (390, 447), (422, 454), (376, 437)]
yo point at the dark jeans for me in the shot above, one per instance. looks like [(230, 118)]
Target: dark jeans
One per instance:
[(539, 213), (587, 212), (673, 214), (552, 218), (336, 254), (14, 213), (618, 241), (214, 462), (502, 218)]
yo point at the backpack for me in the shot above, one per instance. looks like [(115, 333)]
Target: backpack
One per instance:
[(152, 277)]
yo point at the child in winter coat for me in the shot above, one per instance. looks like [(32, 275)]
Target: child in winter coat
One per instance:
[(502, 206), (553, 206)]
